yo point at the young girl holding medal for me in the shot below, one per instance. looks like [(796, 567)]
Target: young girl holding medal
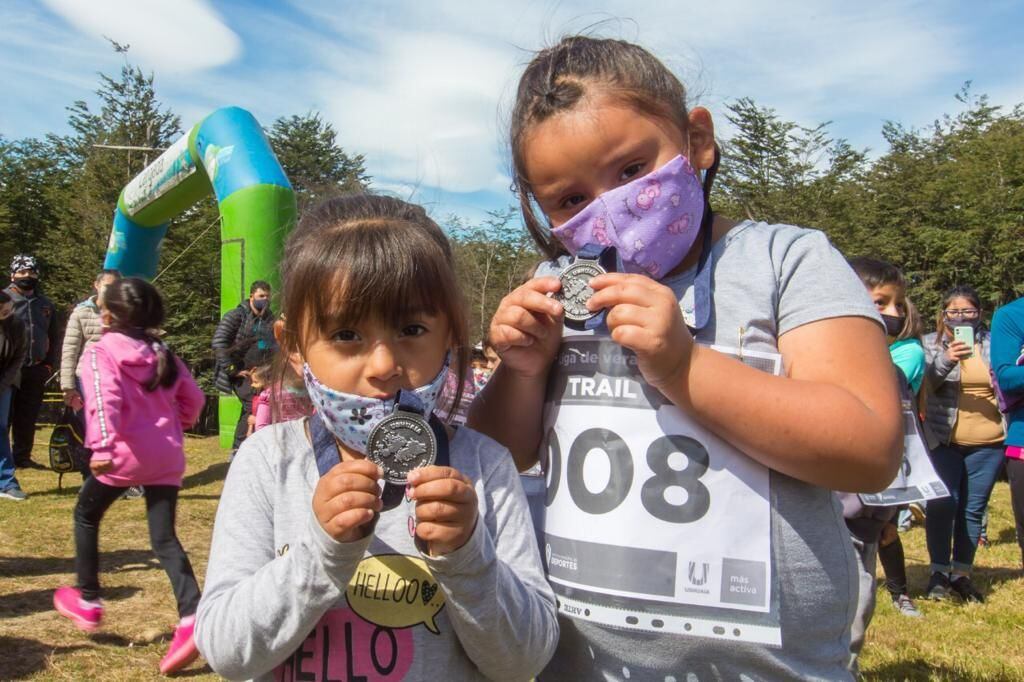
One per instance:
[(694, 414), (315, 574)]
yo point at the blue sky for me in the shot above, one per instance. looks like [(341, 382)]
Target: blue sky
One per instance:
[(422, 88)]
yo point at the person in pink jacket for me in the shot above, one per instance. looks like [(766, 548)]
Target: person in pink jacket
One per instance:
[(139, 397)]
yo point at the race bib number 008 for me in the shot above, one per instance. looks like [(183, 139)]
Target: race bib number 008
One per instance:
[(652, 522)]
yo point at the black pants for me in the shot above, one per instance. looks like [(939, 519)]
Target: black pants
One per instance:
[(243, 389), (1015, 474), (894, 564), (161, 502), (25, 403)]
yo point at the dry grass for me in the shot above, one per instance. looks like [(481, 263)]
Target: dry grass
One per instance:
[(37, 556), (952, 641)]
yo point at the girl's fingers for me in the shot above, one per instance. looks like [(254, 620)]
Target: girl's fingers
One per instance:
[(628, 314), (640, 291), (431, 531), (343, 523), (350, 500), (341, 482), (635, 338), (504, 337), (524, 321), (440, 511)]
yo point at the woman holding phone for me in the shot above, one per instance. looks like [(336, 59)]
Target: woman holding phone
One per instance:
[(963, 417)]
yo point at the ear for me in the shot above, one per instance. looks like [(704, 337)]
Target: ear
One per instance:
[(295, 360), (701, 134)]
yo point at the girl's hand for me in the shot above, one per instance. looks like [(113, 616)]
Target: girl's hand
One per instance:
[(527, 327), (100, 466), (347, 498), (644, 316), (445, 508), (957, 351)]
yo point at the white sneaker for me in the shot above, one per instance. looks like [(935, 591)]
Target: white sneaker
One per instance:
[(14, 493)]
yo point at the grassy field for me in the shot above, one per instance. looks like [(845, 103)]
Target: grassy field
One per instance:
[(952, 641)]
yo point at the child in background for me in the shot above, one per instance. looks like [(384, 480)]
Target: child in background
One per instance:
[(280, 400), (259, 379), (690, 526), (872, 529), (313, 573), (139, 397)]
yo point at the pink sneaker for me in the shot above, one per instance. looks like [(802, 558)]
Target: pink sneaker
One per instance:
[(183, 647), (69, 603)]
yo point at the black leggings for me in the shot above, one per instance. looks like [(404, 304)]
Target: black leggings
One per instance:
[(895, 566), (161, 502)]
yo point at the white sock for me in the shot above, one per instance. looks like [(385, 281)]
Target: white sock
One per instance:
[(83, 604), (187, 620)]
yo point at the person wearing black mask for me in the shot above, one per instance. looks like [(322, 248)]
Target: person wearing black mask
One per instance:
[(39, 316), (13, 349), (244, 339), (965, 420)]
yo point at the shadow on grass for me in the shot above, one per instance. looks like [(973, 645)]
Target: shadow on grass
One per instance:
[(985, 578), (17, 604), (117, 560), (1007, 535), (25, 657), (921, 669), (214, 472), (211, 474)]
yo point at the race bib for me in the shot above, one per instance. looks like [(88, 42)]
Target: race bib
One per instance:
[(916, 481), (652, 522)]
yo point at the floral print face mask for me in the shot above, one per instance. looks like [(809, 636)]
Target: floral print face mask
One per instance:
[(351, 417), (652, 221)]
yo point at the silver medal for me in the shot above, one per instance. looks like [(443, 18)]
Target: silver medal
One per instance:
[(576, 291), (401, 442)]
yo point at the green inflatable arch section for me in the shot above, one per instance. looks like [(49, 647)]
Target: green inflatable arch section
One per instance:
[(226, 153)]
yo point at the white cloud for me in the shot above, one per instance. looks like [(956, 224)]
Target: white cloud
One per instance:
[(172, 37), (418, 87)]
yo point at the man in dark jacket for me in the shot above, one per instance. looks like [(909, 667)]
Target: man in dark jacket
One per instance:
[(38, 314), (13, 349), (244, 339)]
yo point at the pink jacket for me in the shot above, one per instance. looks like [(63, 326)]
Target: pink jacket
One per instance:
[(289, 406), (141, 431)]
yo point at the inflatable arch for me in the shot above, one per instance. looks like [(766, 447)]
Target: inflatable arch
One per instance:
[(227, 153)]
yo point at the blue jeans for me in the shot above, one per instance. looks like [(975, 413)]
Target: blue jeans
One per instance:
[(970, 474), (7, 479)]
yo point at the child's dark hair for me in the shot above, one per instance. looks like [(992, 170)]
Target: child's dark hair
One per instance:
[(878, 273), (137, 310), (559, 77), (874, 272), (364, 256)]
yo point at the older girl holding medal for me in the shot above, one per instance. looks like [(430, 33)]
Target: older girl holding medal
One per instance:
[(694, 420)]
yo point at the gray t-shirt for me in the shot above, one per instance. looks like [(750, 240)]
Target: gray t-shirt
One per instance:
[(285, 601), (766, 281)]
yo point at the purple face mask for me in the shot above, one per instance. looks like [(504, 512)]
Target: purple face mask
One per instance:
[(651, 221)]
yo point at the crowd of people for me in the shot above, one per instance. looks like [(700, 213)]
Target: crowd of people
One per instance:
[(741, 385)]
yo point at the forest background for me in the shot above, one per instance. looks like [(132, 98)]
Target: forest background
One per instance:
[(945, 203)]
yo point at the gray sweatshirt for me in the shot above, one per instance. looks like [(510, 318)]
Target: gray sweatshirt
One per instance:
[(283, 600)]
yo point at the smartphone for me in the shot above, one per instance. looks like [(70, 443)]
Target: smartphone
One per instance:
[(965, 333)]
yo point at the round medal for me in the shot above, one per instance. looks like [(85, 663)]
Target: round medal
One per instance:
[(401, 442), (576, 291)]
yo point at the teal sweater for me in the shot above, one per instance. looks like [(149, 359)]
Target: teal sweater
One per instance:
[(1007, 341), (908, 355)]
